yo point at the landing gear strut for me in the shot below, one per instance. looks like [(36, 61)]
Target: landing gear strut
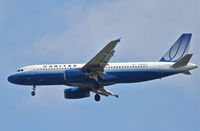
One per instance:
[(97, 97), (33, 91)]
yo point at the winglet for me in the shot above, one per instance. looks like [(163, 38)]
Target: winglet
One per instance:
[(118, 40)]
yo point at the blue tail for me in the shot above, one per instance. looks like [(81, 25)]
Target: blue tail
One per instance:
[(178, 50)]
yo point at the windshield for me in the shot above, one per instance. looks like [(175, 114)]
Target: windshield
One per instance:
[(20, 70)]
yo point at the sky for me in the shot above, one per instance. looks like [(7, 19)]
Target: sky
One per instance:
[(72, 31)]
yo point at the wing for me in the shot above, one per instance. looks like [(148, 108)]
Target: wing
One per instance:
[(96, 66), (104, 92), (99, 62)]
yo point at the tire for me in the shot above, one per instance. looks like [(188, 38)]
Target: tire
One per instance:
[(97, 97), (33, 93)]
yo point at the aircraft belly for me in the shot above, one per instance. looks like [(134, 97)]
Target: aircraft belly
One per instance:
[(136, 76), (48, 78), (57, 78)]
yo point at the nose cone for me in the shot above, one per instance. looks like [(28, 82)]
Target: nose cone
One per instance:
[(12, 79)]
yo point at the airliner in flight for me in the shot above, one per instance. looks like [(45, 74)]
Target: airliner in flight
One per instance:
[(98, 73)]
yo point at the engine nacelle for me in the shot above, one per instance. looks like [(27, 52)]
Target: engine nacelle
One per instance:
[(74, 74), (76, 93)]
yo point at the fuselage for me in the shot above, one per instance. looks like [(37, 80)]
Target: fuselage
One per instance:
[(130, 72)]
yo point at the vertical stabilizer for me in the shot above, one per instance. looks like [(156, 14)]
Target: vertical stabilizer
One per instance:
[(178, 50)]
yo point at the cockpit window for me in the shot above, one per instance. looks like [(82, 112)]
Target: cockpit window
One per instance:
[(20, 70)]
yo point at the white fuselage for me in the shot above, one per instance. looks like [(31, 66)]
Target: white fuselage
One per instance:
[(129, 72), (157, 66)]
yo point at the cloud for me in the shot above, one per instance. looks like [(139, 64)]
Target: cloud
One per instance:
[(96, 25)]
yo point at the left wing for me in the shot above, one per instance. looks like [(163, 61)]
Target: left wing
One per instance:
[(95, 67), (98, 63)]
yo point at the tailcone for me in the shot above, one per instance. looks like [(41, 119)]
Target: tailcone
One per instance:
[(192, 66)]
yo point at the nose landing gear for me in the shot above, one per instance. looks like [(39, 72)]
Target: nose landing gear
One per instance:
[(33, 91)]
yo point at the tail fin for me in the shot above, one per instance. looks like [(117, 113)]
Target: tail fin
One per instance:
[(178, 50)]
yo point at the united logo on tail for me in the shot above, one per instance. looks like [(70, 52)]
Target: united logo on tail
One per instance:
[(178, 50)]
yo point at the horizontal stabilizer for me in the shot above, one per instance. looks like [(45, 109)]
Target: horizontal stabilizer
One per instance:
[(182, 62), (187, 73)]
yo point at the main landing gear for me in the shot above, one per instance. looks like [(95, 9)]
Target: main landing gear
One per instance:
[(33, 91), (97, 97)]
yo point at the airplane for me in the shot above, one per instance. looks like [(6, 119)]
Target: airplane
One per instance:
[(98, 73)]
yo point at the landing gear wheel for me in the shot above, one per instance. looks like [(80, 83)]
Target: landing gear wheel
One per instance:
[(97, 97), (33, 93)]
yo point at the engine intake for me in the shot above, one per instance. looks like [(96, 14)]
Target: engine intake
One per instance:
[(76, 93)]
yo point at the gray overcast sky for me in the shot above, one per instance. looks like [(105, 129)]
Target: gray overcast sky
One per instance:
[(52, 31)]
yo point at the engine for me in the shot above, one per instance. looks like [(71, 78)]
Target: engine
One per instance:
[(74, 74), (76, 93)]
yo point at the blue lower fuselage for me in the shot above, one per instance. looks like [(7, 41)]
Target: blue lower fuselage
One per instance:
[(110, 77)]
